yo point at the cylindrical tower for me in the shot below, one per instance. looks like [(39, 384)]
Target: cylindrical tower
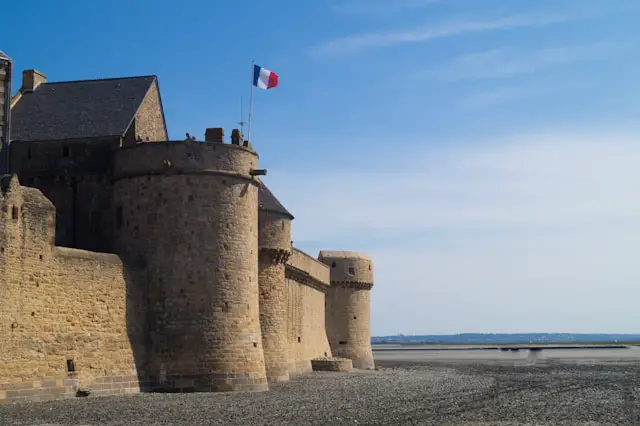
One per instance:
[(275, 248), (188, 212), (348, 306)]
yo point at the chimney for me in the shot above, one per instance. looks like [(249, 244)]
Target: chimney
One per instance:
[(236, 137), (31, 79), (214, 135)]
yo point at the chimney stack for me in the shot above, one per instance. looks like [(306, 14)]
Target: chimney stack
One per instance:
[(31, 79), (236, 137), (215, 134)]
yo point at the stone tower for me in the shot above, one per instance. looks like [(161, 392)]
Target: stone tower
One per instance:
[(275, 249), (348, 306), (188, 212)]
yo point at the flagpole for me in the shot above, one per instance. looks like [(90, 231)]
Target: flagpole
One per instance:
[(250, 103)]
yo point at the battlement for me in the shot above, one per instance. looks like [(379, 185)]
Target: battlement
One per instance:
[(185, 157), (348, 268)]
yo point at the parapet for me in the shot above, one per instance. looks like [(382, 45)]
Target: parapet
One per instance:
[(348, 267), (305, 269), (185, 157)]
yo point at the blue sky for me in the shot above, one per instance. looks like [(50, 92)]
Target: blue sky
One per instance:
[(482, 151)]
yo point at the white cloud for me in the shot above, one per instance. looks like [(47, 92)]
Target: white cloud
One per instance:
[(534, 232), (502, 63), (514, 93), (353, 44)]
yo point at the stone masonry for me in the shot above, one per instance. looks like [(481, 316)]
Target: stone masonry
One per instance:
[(191, 283)]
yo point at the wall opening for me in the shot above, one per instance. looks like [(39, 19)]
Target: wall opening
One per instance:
[(65, 151), (343, 342), (29, 153), (74, 213), (352, 270), (333, 265), (119, 217), (14, 212), (71, 366), (369, 267), (299, 339)]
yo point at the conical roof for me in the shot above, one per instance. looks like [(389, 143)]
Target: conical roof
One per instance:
[(268, 202)]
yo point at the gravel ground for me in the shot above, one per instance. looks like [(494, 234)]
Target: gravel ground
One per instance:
[(395, 395)]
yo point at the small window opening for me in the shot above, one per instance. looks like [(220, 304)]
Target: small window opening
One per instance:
[(352, 270), (65, 151), (333, 265), (255, 344), (14, 212), (299, 339), (369, 267), (355, 317), (343, 342), (40, 257), (71, 366), (29, 153), (119, 217)]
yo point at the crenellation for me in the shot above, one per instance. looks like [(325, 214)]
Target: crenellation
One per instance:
[(128, 266)]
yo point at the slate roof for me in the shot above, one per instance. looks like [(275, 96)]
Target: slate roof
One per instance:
[(268, 202), (78, 109)]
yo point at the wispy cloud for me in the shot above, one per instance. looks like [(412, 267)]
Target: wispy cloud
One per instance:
[(546, 222), (379, 7), (516, 93), (352, 44), (502, 63)]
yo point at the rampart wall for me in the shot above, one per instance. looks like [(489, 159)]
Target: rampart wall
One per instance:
[(66, 321), (307, 281)]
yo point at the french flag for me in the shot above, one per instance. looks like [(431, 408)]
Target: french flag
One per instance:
[(263, 78)]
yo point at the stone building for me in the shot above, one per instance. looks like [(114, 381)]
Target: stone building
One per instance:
[(132, 263)]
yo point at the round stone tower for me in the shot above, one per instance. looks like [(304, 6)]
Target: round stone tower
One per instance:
[(275, 248), (348, 306), (187, 213)]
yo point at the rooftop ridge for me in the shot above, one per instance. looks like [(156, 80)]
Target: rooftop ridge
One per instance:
[(100, 79)]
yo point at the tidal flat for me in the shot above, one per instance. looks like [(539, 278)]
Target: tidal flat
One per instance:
[(400, 392)]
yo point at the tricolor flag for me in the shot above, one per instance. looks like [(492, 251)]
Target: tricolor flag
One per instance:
[(263, 78)]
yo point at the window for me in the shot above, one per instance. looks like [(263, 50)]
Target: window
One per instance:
[(333, 265), (14, 212), (352, 270), (65, 151), (28, 153)]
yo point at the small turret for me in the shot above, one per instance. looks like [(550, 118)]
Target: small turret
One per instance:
[(348, 306)]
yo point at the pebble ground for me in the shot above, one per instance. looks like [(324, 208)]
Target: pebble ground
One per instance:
[(406, 394)]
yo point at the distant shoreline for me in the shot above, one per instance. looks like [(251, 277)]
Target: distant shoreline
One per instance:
[(492, 345)]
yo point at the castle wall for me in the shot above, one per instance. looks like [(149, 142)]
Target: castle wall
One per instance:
[(188, 211), (149, 121), (76, 176), (59, 304), (306, 284), (348, 315)]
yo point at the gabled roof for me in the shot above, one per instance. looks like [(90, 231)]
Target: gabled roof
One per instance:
[(268, 202), (78, 109), (4, 56)]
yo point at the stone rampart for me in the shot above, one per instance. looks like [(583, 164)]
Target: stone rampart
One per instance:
[(307, 281), (65, 314)]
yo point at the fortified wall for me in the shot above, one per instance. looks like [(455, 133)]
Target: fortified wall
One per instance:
[(205, 293)]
